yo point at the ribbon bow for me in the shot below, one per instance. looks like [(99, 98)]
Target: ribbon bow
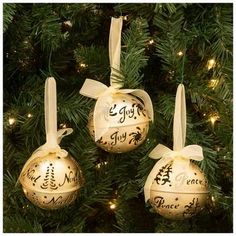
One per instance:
[(193, 152), (103, 94), (180, 155), (53, 137)]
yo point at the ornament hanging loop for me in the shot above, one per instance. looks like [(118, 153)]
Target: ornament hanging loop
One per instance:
[(115, 50), (179, 127), (50, 107)]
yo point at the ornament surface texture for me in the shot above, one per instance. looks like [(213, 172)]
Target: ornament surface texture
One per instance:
[(128, 124), (181, 193), (51, 182)]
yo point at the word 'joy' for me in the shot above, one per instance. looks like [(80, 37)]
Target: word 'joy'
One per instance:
[(124, 112)]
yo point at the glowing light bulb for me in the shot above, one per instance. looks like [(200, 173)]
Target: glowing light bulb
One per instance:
[(125, 17), (29, 115), (68, 23), (62, 125), (211, 64), (11, 121), (213, 198), (99, 165), (213, 119), (213, 83), (180, 53), (151, 41), (83, 65), (112, 206)]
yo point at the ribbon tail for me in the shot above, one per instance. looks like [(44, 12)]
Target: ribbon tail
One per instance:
[(101, 116), (92, 88), (193, 152), (179, 126), (61, 133), (146, 100), (159, 151), (152, 175)]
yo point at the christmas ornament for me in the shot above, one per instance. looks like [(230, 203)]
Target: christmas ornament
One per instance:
[(120, 119), (128, 124), (51, 178), (177, 188)]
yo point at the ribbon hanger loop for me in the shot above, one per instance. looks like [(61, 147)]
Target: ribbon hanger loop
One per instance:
[(179, 126), (115, 50), (50, 109), (165, 154)]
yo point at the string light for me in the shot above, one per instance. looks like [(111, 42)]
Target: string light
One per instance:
[(211, 64), (151, 41), (26, 206), (112, 204), (26, 41), (68, 23), (213, 198), (204, 114), (213, 83), (62, 125), (12, 121), (180, 53), (29, 115), (99, 165), (214, 118), (83, 65), (125, 17)]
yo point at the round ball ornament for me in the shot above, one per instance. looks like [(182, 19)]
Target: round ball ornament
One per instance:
[(128, 122), (177, 188), (120, 119), (179, 193), (51, 182), (51, 178)]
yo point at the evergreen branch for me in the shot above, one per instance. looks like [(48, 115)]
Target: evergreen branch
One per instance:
[(96, 59), (137, 10), (133, 57), (9, 10), (46, 29), (21, 225)]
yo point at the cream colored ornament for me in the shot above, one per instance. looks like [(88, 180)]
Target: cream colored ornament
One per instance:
[(120, 119), (181, 194), (128, 124), (51, 182), (51, 178), (176, 188)]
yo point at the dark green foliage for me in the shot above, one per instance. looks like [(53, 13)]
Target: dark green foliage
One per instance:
[(70, 42), (8, 13)]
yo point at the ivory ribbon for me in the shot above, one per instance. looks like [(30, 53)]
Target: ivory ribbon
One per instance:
[(53, 137), (115, 50), (103, 94), (179, 152)]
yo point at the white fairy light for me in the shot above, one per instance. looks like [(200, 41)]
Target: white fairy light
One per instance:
[(12, 121)]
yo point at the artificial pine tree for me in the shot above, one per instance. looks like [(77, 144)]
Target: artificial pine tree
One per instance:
[(161, 45)]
